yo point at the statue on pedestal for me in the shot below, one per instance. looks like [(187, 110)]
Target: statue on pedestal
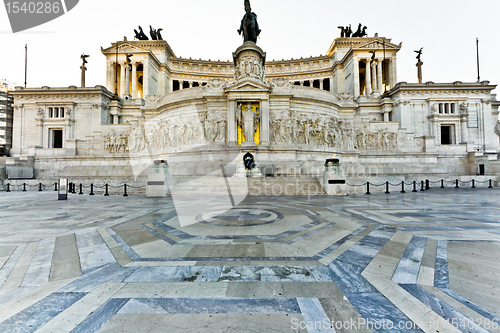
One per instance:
[(419, 64), (83, 68), (249, 26), (248, 122)]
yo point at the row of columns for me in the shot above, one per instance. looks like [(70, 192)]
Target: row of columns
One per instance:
[(374, 75), (311, 83), (181, 84), (128, 73)]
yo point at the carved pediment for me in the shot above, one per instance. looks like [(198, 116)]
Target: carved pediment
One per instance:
[(378, 44), (250, 85), (124, 48)]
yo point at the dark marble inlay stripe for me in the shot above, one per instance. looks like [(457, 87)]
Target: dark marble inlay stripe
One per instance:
[(157, 234), (377, 309), (441, 271), (110, 273), (464, 324), (98, 318), (40, 313), (471, 305), (128, 250)]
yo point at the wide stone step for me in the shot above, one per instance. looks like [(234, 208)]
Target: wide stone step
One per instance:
[(279, 186)]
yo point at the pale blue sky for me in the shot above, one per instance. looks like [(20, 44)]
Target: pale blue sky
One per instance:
[(290, 29)]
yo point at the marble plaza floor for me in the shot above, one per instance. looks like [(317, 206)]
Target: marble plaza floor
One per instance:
[(414, 262)]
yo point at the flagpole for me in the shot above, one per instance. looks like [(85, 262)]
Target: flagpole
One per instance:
[(26, 66), (477, 50)]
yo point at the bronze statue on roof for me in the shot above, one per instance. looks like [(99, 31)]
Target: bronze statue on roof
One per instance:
[(249, 26)]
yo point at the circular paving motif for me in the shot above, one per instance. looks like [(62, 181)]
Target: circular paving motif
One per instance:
[(240, 217)]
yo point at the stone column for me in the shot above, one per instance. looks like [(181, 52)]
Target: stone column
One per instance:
[(145, 78), (331, 86), (321, 84), (112, 84), (380, 78), (134, 80), (115, 119), (301, 83), (122, 79), (110, 79), (264, 123), (190, 84), (374, 76), (231, 123), (311, 83), (127, 79), (181, 85), (368, 78), (394, 76), (356, 77)]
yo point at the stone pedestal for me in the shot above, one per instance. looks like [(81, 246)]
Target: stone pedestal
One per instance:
[(159, 181), (241, 171), (334, 182)]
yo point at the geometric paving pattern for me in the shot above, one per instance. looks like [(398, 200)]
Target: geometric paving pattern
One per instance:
[(415, 262)]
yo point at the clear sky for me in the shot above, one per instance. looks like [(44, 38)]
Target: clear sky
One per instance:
[(446, 29)]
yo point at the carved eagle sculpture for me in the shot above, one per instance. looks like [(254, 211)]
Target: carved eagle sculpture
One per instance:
[(419, 52), (84, 58)]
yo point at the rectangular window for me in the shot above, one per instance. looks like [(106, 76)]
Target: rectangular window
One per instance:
[(57, 139), (441, 108), (62, 112), (452, 108), (446, 108), (51, 113), (446, 135)]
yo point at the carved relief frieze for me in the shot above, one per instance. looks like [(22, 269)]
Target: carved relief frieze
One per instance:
[(323, 130), (169, 132)]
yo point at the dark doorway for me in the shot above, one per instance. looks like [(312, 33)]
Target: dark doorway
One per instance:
[(481, 170), (446, 135), (57, 139)]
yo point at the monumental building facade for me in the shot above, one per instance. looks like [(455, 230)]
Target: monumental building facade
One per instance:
[(291, 115)]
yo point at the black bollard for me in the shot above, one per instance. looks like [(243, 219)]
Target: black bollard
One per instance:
[(491, 184), (55, 187), (24, 187), (422, 188), (368, 188), (442, 183), (91, 189), (456, 184), (40, 187), (8, 187), (414, 186), (403, 187), (427, 184), (107, 193), (473, 183), (125, 190), (387, 188), (74, 188), (81, 189)]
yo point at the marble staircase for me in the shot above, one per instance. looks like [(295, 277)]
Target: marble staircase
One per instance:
[(263, 186)]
